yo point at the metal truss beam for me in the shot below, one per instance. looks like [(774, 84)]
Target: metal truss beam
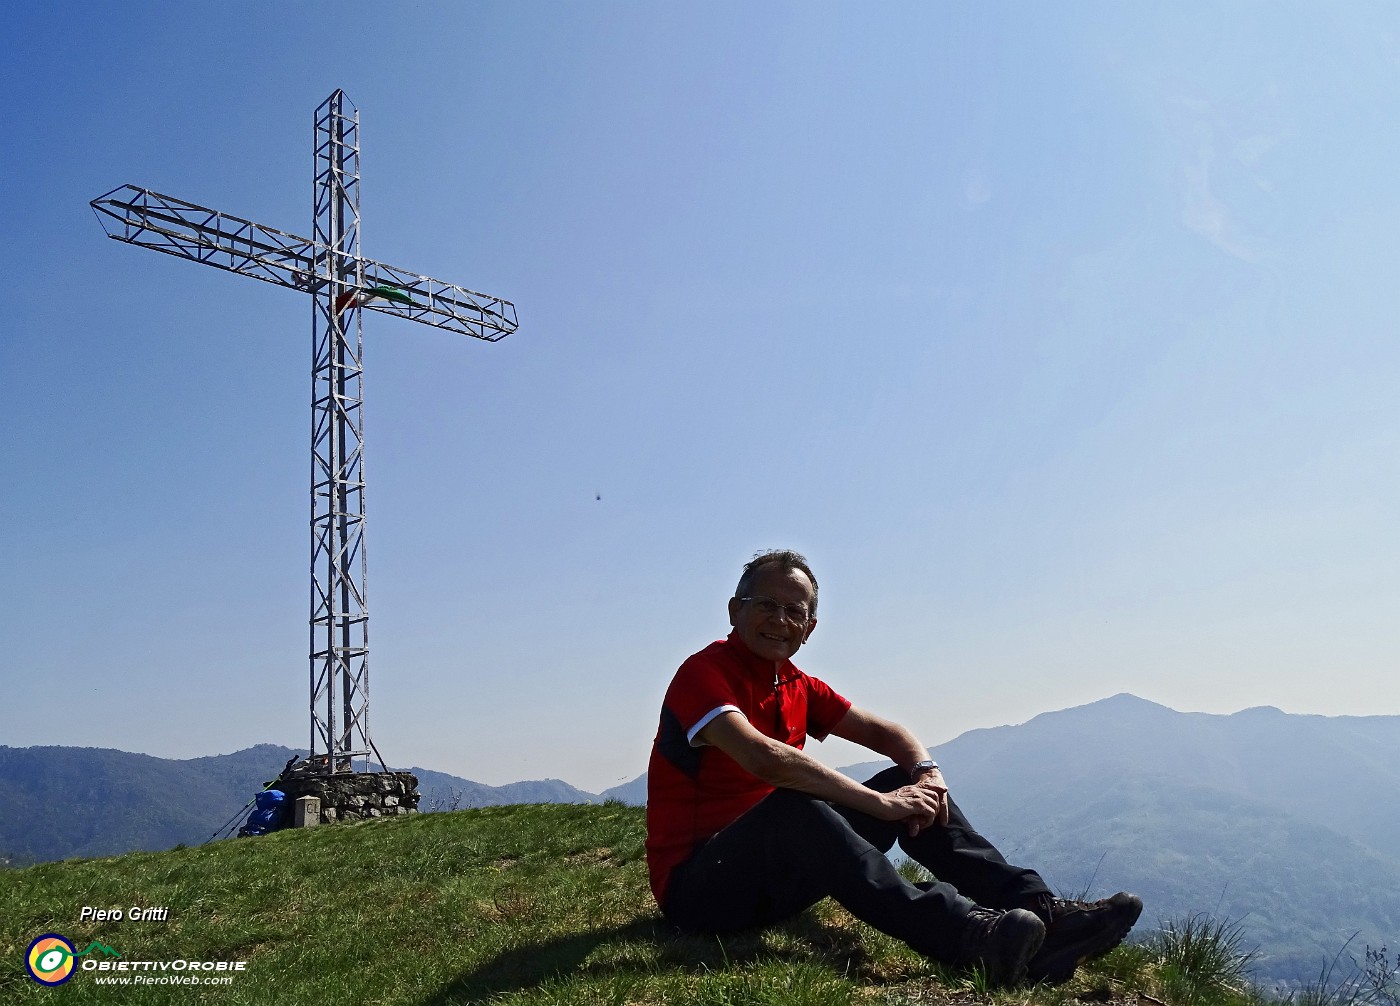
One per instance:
[(339, 621), (190, 231)]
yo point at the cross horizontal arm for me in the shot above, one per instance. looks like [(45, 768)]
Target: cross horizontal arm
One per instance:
[(188, 230), (441, 304), (195, 232)]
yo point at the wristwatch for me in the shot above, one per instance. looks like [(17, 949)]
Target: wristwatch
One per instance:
[(927, 765)]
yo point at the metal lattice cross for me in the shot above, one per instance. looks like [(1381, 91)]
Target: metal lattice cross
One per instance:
[(328, 267)]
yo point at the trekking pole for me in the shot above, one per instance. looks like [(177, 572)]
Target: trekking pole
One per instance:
[(266, 786), (231, 820)]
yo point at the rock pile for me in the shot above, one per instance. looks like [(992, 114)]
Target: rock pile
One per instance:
[(351, 796)]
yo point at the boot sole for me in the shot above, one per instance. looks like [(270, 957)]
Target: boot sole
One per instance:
[(1059, 965)]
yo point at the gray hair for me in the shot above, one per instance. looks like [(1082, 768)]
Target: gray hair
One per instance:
[(786, 558)]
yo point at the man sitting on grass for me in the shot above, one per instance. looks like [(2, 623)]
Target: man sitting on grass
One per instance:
[(744, 829)]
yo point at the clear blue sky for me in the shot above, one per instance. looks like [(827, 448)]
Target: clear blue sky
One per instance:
[(1061, 338)]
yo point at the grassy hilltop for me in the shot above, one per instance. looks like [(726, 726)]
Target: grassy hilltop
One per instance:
[(516, 904)]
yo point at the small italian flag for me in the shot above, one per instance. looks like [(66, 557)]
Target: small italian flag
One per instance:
[(358, 298)]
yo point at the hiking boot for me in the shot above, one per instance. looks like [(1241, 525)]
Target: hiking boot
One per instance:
[(1002, 942), (1079, 931)]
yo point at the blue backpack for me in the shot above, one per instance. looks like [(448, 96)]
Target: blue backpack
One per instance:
[(270, 814)]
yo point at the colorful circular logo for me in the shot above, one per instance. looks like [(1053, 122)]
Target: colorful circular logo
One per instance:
[(50, 960)]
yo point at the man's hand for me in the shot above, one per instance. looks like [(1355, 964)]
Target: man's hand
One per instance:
[(900, 746), (917, 806), (932, 781)]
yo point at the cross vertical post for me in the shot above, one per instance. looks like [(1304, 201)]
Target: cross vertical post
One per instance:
[(339, 623)]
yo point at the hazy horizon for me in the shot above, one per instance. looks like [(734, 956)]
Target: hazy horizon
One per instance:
[(832, 751)]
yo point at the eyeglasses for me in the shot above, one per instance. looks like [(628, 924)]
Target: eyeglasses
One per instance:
[(797, 614)]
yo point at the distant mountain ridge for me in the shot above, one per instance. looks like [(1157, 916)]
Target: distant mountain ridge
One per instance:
[(65, 801), (1347, 767), (61, 802), (441, 791), (1288, 822)]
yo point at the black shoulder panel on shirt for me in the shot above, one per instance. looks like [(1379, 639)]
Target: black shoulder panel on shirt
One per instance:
[(671, 742)]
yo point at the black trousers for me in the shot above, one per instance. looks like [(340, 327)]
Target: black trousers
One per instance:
[(790, 850)]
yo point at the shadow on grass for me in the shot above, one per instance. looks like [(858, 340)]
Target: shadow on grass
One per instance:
[(656, 947)]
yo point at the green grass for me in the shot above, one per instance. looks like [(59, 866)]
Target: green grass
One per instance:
[(1202, 961), (540, 904)]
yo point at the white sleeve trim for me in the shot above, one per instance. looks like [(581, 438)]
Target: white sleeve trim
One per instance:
[(705, 721)]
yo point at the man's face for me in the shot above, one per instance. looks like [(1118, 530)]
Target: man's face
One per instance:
[(772, 636)]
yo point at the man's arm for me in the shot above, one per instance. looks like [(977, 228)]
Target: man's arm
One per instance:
[(782, 765), (897, 744)]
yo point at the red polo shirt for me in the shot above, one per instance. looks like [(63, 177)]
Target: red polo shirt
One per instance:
[(694, 790)]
